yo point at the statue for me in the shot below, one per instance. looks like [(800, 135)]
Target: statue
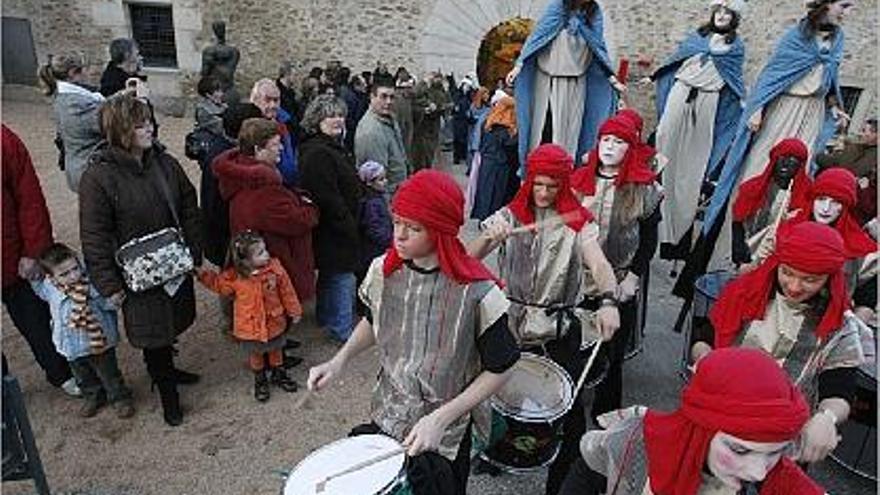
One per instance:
[(220, 61)]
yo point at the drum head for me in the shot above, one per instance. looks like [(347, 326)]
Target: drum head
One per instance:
[(538, 390), (342, 454)]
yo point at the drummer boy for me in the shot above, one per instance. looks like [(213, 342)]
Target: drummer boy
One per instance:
[(439, 319)]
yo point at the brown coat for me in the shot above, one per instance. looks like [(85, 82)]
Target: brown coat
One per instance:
[(120, 200)]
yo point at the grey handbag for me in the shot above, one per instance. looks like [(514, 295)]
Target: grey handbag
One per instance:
[(159, 257)]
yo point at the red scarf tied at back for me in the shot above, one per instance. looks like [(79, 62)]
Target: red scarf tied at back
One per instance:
[(841, 185), (807, 246), (552, 161), (434, 200), (741, 392), (633, 168), (753, 193)]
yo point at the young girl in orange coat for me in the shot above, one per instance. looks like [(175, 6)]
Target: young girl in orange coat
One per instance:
[(264, 303)]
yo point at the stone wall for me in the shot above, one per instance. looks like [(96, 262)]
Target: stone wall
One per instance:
[(420, 34)]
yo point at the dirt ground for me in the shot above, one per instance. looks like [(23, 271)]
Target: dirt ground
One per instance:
[(229, 444)]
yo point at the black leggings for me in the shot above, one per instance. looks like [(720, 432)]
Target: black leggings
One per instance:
[(581, 480), (160, 364), (609, 393)]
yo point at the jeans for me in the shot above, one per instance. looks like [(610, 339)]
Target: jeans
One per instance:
[(30, 314), (335, 305), (98, 374)]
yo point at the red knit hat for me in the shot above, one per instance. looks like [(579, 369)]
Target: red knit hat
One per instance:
[(840, 184), (806, 246), (753, 193), (434, 200), (741, 392), (553, 161), (634, 166)]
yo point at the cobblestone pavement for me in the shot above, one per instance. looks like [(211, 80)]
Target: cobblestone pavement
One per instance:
[(229, 444)]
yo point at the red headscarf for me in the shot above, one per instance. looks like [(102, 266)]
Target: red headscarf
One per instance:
[(553, 161), (741, 392), (434, 200), (634, 118), (807, 246), (634, 167), (841, 185), (753, 192)]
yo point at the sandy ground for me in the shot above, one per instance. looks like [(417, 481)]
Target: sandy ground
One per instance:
[(229, 443)]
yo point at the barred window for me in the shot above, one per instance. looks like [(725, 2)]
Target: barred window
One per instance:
[(153, 28)]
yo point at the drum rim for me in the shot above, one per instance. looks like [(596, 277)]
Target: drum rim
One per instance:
[(568, 400), (515, 470), (385, 490)]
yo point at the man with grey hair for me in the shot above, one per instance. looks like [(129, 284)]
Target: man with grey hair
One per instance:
[(378, 136), (266, 96)]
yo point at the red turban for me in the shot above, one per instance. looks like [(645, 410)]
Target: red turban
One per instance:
[(807, 246), (554, 162), (434, 200), (634, 167), (741, 392), (840, 184), (634, 118), (753, 193)]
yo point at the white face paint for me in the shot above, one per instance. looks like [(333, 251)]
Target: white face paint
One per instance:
[(826, 210), (838, 11), (722, 17), (612, 149)]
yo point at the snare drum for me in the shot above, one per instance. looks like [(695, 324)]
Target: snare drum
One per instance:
[(387, 477), (706, 291), (857, 452), (525, 413)]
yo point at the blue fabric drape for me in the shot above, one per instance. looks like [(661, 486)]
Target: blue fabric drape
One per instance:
[(601, 100), (795, 55)]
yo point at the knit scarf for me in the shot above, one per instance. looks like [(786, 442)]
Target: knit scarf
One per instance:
[(82, 317)]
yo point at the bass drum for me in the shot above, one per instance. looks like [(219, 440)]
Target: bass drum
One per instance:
[(525, 432), (857, 452)]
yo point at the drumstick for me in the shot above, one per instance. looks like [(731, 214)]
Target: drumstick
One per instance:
[(572, 215), (589, 365), (302, 400), (321, 485)]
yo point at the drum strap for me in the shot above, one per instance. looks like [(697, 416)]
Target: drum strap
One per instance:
[(561, 311)]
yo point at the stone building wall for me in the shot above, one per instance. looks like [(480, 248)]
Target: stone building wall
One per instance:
[(420, 34)]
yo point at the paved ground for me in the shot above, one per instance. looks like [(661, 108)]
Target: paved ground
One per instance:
[(229, 444)]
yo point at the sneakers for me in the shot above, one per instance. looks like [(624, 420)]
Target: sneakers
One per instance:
[(261, 386), (279, 378), (71, 388), (124, 409)]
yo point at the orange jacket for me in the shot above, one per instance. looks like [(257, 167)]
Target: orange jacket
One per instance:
[(262, 301)]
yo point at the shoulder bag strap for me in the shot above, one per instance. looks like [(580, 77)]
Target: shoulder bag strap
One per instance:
[(164, 190)]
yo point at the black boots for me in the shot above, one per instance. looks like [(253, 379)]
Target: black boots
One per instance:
[(171, 410), (261, 386), (160, 366), (182, 377), (278, 377)]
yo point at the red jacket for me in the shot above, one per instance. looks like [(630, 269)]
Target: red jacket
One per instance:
[(285, 218), (27, 230)]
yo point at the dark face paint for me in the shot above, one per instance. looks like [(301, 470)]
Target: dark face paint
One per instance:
[(784, 170)]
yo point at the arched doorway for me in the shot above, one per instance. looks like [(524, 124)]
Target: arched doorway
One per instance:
[(500, 48)]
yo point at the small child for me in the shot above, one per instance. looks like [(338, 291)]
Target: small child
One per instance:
[(84, 330), (376, 229), (263, 300)]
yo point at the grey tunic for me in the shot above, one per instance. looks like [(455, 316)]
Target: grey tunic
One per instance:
[(426, 327)]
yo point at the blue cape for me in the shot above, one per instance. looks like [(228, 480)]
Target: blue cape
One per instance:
[(601, 100), (729, 66), (793, 58)]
